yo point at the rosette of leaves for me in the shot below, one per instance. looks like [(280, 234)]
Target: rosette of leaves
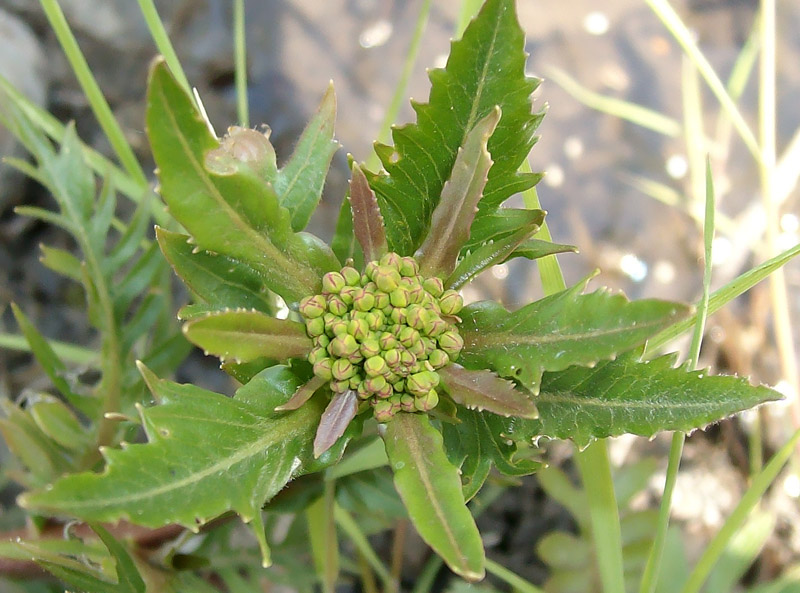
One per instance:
[(566, 366)]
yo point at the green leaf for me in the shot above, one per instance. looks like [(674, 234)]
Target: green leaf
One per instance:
[(431, 490), (367, 220), (299, 183), (62, 262), (217, 279), (59, 423), (224, 204), (452, 218), (643, 398), (493, 252), (537, 248), (486, 68), (567, 328), (481, 439), (207, 454), (483, 390), (244, 335)]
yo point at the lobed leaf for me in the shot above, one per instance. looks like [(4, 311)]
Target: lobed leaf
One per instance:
[(206, 454), (453, 215), (486, 68), (558, 331), (629, 396), (483, 390), (244, 335), (223, 202), (431, 491)]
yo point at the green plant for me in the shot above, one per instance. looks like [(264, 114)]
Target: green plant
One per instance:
[(355, 357)]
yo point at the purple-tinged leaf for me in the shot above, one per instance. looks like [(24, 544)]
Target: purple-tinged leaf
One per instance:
[(483, 390), (302, 395), (537, 248), (430, 487), (335, 420), (492, 253), (452, 218), (243, 335), (367, 219)]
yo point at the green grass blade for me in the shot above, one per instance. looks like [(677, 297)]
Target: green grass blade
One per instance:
[(683, 36), (163, 43), (650, 576), (240, 60), (66, 352), (100, 107), (516, 582), (641, 116)]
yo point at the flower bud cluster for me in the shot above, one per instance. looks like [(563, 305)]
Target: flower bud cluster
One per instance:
[(383, 334)]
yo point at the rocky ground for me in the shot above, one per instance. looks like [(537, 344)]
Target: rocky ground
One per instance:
[(642, 246)]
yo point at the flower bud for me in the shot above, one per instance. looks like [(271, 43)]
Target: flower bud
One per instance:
[(421, 383), (434, 325), (336, 305), (391, 260), (358, 328), (355, 357), (399, 385), (409, 266), (332, 283), (339, 386), (381, 300), (342, 369), (385, 391), (343, 346), (374, 366), (370, 269), (317, 354), (387, 279), (451, 343), (399, 315), (322, 369), (363, 300), (370, 347), (407, 359), (416, 294), (450, 302), (375, 384), (383, 410), (355, 381), (387, 341), (392, 357), (321, 341), (313, 306), (339, 327), (427, 402), (408, 336), (407, 403), (363, 391), (347, 294), (434, 286), (399, 297), (351, 276), (416, 317), (315, 327), (418, 349), (374, 319)]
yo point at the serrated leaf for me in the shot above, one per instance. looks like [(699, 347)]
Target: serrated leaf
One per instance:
[(493, 252), (486, 68), (453, 215), (335, 419), (244, 335), (642, 398), (431, 490), (367, 219), (218, 279), (299, 183), (564, 329), (481, 440), (226, 207), (206, 454), (483, 390)]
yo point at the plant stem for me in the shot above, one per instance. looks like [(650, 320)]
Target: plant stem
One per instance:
[(651, 571), (240, 58), (514, 580), (100, 107), (398, 544), (359, 540), (163, 43)]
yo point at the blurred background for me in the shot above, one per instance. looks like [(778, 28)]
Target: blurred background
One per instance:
[(629, 196)]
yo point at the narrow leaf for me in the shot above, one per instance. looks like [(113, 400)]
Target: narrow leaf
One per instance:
[(335, 420), (367, 219), (62, 262), (207, 454), (431, 490), (492, 253), (483, 390), (537, 248), (302, 395), (567, 328), (243, 335), (217, 279), (453, 215), (643, 398), (299, 183)]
